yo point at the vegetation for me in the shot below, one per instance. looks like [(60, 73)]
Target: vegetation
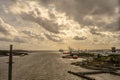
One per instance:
[(85, 55), (105, 61)]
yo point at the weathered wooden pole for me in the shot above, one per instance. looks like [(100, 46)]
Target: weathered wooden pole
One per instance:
[(10, 63)]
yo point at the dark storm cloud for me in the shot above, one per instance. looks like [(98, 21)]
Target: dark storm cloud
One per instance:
[(46, 24), (88, 13), (95, 32), (114, 26), (80, 38), (4, 7), (53, 38), (78, 9)]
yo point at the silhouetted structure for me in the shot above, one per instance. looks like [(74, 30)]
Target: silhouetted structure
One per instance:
[(113, 49), (10, 63)]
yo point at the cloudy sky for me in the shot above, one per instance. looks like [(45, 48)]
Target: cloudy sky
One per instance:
[(55, 24)]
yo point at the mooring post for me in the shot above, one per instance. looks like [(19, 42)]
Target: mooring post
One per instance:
[(10, 63)]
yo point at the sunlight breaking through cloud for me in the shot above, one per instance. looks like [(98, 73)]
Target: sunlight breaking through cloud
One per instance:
[(60, 22)]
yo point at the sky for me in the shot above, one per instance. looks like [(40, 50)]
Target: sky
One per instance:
[(58, 24)]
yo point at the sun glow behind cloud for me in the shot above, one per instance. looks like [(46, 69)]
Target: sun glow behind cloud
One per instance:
[(64, 22)]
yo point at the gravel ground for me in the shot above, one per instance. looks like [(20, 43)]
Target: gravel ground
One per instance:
[(45, 66)]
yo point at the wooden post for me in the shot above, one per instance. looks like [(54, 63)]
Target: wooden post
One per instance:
[(10, 64)]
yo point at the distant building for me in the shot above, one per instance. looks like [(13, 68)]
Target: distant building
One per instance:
[(113, 49), (61, 50)]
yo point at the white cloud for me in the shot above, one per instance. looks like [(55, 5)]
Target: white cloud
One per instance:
[(53, 37), (9, 33), (51, 20), (58, 21), (34, 35), (7, 29)]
